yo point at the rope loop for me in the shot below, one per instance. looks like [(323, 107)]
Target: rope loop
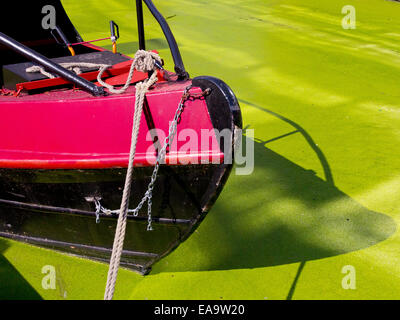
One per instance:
[(144, 61)]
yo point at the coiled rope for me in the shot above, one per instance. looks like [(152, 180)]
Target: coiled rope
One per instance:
[(143, 61)]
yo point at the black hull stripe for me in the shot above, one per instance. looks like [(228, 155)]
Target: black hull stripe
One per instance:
[(62, 244), (32, 206)]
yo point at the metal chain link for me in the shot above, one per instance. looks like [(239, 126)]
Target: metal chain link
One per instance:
[(160, 159)]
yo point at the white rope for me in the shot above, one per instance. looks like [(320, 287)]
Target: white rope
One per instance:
[(72, 66), (143, 61)]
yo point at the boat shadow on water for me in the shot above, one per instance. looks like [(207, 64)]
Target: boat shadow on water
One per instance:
[(13, 285), (280, 214)]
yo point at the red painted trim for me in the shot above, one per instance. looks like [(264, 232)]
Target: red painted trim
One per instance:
[(104, 163)]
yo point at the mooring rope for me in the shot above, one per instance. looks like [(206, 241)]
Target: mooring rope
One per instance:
[(72, 66), (144, 61)]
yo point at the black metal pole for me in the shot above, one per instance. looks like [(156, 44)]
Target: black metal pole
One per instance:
[(140, 24), (176, 55), (50, 65)]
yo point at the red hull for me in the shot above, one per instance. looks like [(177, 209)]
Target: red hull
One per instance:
[(71, 129)]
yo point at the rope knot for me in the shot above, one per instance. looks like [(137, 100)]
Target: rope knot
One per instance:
[(144, 60)]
